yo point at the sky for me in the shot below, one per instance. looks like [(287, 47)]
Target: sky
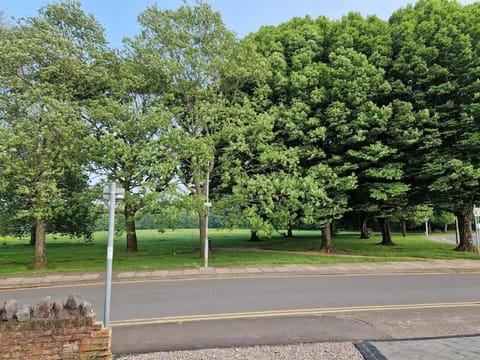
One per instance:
[(119, 17)]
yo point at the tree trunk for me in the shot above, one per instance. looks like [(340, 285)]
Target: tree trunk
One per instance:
[(327, 245), (132, 245), (403, 226), (202, 220), (430, 228), (445, 228), (40, 245), (33, 235), (289, 231), (254, 236), (364, 233), (465, 230), (386, 235), (40, 234)]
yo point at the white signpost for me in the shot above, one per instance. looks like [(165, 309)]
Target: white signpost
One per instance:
[(111, 193), (457, 231), (207, 204), (476, 215)]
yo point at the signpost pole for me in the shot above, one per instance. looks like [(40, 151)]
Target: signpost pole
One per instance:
[(207, 208), (457, 231), (476, 216), (111, 193), (108, 275)]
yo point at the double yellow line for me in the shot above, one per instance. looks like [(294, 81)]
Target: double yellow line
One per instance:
[(283, 313)]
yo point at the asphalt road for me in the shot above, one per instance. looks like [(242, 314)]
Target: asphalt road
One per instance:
[(155, 299), (160, 315)]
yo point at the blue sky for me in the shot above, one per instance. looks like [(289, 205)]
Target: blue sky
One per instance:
[(118, 17)]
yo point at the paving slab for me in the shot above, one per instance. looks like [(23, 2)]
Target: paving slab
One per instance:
[(91, 277), (70, 278), (207, 270), (443, 348), (237, 270), (191, 272), (143, 274), (125, 274), (31, 280), (175, 273), (52, 278), (294, 268), (223, 271), (12, 281), (253, 270), (160, 273), (311, 268), (280, 269)]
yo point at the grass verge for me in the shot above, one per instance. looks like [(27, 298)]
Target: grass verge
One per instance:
[(180, 248)]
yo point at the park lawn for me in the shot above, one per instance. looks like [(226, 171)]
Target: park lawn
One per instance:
[(180, 248), (413, 246)]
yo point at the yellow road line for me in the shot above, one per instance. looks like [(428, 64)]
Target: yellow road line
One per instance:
[(284, 313)]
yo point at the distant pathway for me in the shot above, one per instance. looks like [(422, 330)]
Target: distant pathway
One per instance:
[(443, 238), (311, 252)]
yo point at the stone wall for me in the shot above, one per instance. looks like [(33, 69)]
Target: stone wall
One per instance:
[(52, 330)]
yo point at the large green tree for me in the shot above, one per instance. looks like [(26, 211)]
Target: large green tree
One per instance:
[(128, 128), (47, 70), (368, 129), (191, 55), (309, 189), (437, 62)]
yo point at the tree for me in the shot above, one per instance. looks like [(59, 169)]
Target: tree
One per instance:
[(46, 71), (77, 218), (190, 54), (284, 181), (128, 128), (369, 129), (442, 219), (79, 212), (360, 136), (436, 62), (413, 214)]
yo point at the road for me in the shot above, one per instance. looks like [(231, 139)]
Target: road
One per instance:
[(159, 315)]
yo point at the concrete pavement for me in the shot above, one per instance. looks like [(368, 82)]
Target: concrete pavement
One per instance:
[(379, 268), (441, 348), (461, 348)]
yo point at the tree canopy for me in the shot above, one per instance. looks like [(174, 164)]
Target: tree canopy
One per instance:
[(299, 123), (47, 71)]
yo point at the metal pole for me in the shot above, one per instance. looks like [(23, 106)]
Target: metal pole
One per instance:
[(457, 231), (207, 206), (108, 276), (477, 227), (477, 230)]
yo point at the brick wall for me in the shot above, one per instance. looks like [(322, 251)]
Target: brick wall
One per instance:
[(52, 331)]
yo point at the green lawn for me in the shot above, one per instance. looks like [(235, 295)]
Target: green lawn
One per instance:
[(180, 248)]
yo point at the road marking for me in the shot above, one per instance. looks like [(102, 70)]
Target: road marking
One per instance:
[(285, 313)]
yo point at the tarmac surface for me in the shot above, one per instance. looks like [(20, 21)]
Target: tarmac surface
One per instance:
[(452, 348)]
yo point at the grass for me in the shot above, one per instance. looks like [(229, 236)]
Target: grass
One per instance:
[(180, 248)]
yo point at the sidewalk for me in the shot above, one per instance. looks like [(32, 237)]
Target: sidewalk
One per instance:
[(411, 267), (442, 348)]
